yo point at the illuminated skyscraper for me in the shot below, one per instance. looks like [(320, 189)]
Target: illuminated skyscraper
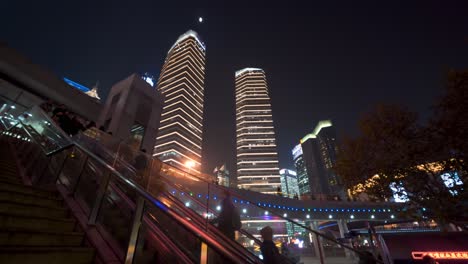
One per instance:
[(314, 159), (179, 140), (257, 158), (289, 185)]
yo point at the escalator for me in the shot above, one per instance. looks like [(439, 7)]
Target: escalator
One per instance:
[(137, 226)]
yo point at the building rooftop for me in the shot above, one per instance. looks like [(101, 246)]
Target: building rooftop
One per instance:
[(186, 35), (239, 72)]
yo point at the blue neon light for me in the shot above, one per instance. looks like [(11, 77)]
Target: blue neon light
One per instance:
[(76, 85)]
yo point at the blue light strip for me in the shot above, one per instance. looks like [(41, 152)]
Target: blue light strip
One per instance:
[(76, 85)]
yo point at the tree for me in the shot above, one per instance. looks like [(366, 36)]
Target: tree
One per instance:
[(394, 150)]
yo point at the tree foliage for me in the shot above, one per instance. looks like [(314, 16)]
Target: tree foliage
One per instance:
[(394, 149)]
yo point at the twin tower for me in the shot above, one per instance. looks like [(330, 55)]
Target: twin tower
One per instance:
[(180, 134)]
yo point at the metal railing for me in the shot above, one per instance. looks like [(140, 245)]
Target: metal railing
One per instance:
[(101, 190)]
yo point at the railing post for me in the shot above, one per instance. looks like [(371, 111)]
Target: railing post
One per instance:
[(343, 227), (316, 240), (132, 243), (319, 245), (99, 198), (207, 207)]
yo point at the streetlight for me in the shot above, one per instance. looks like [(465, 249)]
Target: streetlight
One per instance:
[(190, 164)]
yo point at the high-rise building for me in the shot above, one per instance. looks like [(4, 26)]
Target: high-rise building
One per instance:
[(222, 175), (179, 140), (301, 170), (289, 185), (132, 112), (314, 159), (257, 157)]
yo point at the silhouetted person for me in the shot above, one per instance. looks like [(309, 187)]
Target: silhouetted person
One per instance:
[(229, 219), (428, 260), (366, 258), (269, 251)]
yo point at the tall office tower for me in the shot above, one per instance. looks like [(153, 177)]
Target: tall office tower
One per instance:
[(289, 185), (314, 164), (301, 171), (257, 158), (179, 140)]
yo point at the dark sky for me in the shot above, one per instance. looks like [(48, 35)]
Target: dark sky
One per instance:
[(328, 60)]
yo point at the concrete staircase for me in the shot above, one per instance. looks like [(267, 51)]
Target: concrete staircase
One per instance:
[(35, 226)]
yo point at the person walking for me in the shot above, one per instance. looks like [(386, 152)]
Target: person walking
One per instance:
[(229, 218), (268, 248)]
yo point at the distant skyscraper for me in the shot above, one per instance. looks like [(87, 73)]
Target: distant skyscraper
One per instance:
[(289, 185), (179, 140), (314, 159), (148, 78), (222, 175), (301, 170), (257, 158)]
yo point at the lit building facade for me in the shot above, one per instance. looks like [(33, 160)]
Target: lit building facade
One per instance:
[(301, 170), (179, 140), (257, 157), (289, 185), (315, 162), (222, 175)]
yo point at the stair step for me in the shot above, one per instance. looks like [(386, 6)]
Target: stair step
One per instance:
[(12, 179), (49, 255), (31, 238), (16, 197), (7, 207), (20, 188), (36, 223)]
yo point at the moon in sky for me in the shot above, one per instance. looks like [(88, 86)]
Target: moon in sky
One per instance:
[(200, 19)]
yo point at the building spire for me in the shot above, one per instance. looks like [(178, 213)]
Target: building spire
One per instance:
[(94, 91)]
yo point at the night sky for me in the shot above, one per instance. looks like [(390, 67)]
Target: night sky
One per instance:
[(329, 60)]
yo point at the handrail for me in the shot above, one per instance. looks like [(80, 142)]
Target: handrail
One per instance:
[(244, 232), (148, 197), (213, 229), (204, 237), (194, 230), (333, 240), (277, 214)]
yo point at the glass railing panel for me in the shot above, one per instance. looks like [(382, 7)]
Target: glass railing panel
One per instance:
[(88, 183), (9, 113), (44, 131), (179, 234), (115, 217), (154, 247), (72, 168)]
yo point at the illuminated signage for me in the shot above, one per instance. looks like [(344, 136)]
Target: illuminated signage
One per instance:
[(440, 254), (297, 151)]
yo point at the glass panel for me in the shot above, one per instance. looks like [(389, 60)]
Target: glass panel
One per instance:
[(43, 131), (72, 168), (115, 218), (9, 112), (180, 235), (153, 246), (88, 184)]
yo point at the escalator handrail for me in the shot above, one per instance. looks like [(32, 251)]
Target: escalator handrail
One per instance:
[(142, 193), (244, 232), (225, 189), (190, 227), (215, 231)]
